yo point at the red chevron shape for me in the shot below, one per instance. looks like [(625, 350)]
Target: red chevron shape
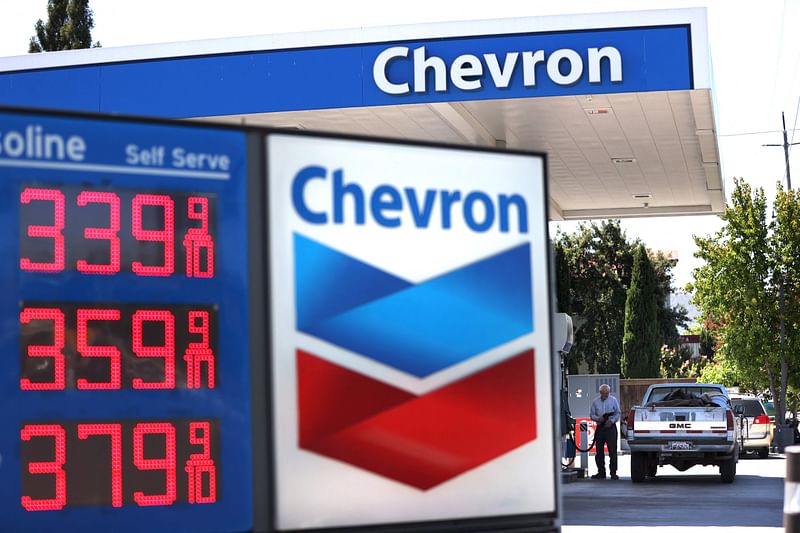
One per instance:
[(424, 440)]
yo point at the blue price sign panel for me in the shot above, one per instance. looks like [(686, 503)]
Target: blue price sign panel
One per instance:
[(125, 381)]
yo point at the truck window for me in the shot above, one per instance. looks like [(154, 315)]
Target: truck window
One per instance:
[(660, 393)]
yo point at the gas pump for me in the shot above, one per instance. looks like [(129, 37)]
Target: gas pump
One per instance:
[(564, 338)]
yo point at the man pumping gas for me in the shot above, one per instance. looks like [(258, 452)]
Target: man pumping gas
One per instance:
[(605, 412)]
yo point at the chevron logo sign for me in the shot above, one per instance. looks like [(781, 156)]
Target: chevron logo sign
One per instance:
[(410, 351), (397, 323)]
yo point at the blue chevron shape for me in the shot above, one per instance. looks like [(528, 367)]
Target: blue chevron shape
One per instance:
[(419, 329), (329, 282)]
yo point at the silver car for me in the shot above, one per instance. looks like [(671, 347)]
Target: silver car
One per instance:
[(756, 425)]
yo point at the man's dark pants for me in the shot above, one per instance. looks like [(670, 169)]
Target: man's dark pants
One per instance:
[(603, 436)]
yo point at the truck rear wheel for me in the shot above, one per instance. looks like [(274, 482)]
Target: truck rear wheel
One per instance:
[(727, 470), (763, 453), (652, 467), (638, 466)]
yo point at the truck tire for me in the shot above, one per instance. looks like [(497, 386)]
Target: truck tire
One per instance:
[(652, 467), (763, 453), (727, 470), (638, 466)]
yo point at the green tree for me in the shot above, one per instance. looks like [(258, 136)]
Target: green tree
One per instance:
[(642, 340), (598, 258), (68, 27), (671, 320), (739, 287), (563, 296), (786, 276), (708, 344), (724, 371), (677, 362)]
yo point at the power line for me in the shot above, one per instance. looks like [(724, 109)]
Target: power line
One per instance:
[(795, 120), (739, 134)]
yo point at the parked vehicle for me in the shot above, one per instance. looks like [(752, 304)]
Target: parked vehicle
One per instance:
[(683, 425), (770, 408), (757, 430)]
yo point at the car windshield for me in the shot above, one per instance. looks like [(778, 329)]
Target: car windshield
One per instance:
[(752, 407), (689, 392)]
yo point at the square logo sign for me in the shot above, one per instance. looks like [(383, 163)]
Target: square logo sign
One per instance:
[(411, 359)]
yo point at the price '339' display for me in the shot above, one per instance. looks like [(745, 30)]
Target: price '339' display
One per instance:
[(105, 232)]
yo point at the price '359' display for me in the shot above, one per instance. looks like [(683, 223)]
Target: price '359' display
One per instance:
[(110, 347)]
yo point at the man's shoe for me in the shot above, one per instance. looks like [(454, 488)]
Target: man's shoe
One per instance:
[(599, 476), (614, 476)]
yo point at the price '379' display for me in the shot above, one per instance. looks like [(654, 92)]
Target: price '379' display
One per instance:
[(118, 463), (103, 232)]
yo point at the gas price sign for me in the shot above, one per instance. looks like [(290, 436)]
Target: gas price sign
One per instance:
[(125, 381)]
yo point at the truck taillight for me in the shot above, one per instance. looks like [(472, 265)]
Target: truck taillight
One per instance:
[(631, 416), (730, 420), (761, 419)]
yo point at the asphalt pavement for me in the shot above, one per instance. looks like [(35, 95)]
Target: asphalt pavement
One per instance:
[(676, 501)]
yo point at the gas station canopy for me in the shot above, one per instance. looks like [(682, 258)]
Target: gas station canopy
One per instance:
[(621, 103)]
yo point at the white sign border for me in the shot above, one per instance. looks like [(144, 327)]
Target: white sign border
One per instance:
[(546, 520)]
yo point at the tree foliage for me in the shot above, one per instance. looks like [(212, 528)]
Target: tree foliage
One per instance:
[(708, 344), (725, 371), (671, 320), (599, 261), (739, 288), (677, 362), (562, 279), (68, 27), (642, 339)]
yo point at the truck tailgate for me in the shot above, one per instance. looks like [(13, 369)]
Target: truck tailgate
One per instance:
[(689, 421)]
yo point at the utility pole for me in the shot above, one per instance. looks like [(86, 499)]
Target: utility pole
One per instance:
[(784, 435), (786, 144)]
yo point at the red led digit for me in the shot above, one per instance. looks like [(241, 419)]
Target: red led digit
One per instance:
[(201, 463), (167, 463), (199, 352), (84, 317), (55, 467), (115, 432), (54, 351), (165, 236), (166, 351), (49, 232), (197, 239), (111, 233)]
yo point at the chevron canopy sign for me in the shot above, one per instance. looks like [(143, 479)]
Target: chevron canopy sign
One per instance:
[(410, 357)]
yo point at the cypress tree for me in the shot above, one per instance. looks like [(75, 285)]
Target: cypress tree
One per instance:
[(641, 342)]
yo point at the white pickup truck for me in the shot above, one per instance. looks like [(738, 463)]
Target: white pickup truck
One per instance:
[(683, 424)]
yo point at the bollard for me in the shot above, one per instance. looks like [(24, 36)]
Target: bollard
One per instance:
[(585, 444), (791, 491)]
